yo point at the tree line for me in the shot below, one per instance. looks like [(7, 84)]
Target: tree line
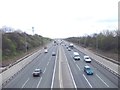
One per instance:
[(105, 40)]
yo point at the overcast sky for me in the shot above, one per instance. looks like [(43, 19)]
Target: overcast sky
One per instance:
[(60, 18)]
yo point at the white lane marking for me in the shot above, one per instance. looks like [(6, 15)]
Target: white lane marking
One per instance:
[(78, 67), (72, 58), (87, 81), (102, 80), (49, 60), (74, 61), (25, 83), (70, 72), (47, 63), (44, 70), (54, 70), (39, 82)]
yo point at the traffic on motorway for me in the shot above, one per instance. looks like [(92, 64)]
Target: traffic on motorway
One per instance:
[(61, 65)]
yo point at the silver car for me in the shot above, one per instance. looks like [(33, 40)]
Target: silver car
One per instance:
[(53, 54), (37, 72)]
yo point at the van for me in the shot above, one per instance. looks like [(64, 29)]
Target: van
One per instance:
[(71, 45), (76, 56)]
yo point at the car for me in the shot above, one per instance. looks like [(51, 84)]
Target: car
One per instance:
[(69, 49), (71, 45), (87, 59), (53, 54), (54, 41), (37, 72), (88, 70), (46, 51), (45, 47), (76, 56)]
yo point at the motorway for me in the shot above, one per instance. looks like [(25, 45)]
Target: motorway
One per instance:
[(62, 71)]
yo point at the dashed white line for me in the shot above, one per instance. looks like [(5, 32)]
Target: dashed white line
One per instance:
[(87, 81), (47, 63), (25, 83), (78, 67), (102, 80), (39, 82), (74, 61), (44, 70)]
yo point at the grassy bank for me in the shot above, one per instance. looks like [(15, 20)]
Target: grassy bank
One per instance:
[(16, 45)]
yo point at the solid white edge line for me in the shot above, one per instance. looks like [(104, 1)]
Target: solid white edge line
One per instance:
[(25, 83), (70, 72), (87, 81), (39, 82), (102, 80), (54, 70)]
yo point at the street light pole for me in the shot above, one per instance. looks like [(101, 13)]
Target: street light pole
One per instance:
[(33, 30)]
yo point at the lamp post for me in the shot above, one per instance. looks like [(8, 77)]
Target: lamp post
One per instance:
[(33, 30)]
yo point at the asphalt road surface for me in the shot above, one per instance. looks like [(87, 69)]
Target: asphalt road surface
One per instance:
[(62, 71)]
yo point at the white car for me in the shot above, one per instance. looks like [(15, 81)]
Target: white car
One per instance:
[(87, 59), (45, 50), (71, 45), (53, 54)]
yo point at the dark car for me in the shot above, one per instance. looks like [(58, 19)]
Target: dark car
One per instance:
[(45, 47), (37, 72), (88, 70)]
